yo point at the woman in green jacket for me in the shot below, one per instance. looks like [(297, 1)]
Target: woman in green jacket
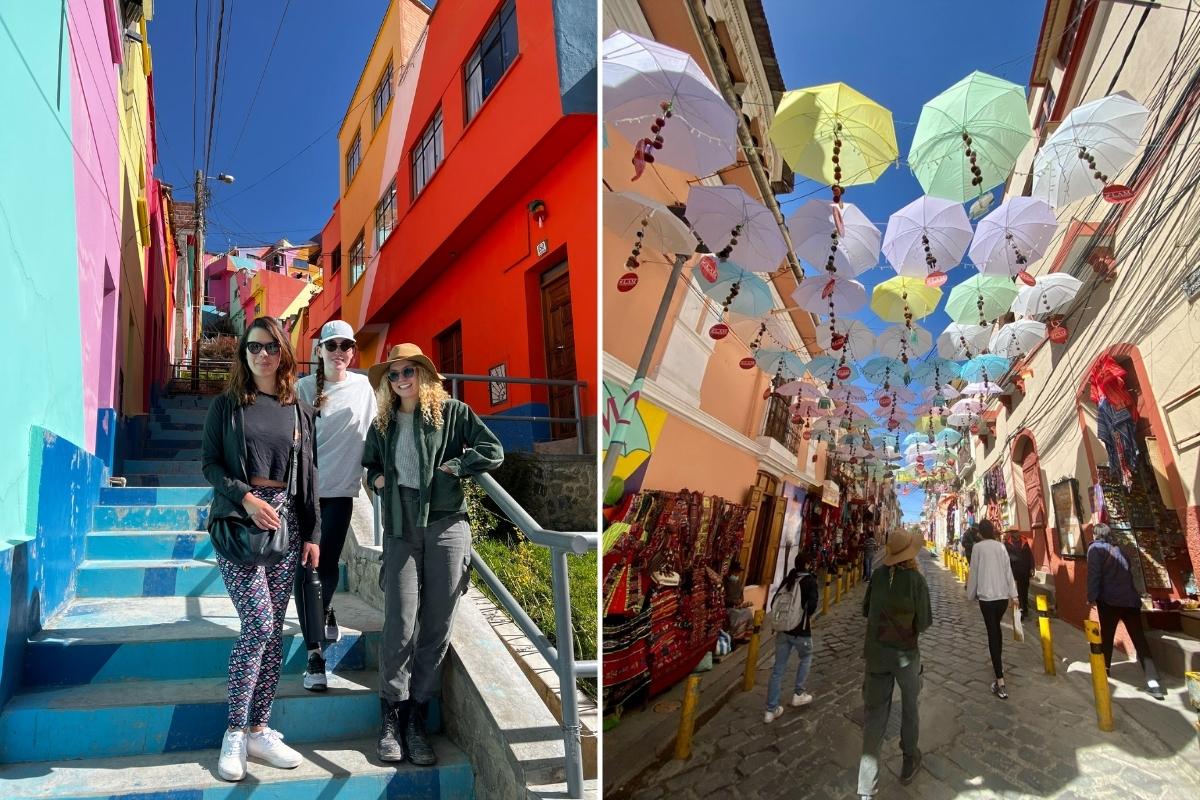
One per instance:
[(420, 447)]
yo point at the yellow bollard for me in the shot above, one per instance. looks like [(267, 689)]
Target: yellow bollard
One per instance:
[(825, 597), (752, 653), (687, 718), (837, 596), (1043, 610), (1104, 718)]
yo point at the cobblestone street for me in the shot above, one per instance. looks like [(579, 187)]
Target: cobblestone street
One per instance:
[(1042, 742)]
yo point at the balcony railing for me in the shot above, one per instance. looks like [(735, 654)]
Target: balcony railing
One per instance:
[(779, 424)]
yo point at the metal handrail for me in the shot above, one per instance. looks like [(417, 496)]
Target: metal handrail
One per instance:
[(576, 388), (561, 658)]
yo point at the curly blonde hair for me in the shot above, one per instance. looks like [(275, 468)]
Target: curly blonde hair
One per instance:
[(430, 397)]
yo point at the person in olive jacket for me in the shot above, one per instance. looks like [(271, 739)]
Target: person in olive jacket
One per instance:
[(419, 448)]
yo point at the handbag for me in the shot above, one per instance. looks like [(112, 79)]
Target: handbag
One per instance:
[(239, 540)]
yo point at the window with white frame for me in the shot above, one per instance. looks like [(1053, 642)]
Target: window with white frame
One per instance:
[(383, 95), (385, 215), (491, 59), (427, 154), (353, 158), (358, 259)]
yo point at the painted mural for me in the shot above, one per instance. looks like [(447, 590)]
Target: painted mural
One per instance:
[(646, 422)]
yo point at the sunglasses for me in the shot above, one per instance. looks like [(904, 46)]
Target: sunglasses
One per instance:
[(254, 348), (345, 346), (407, 372)]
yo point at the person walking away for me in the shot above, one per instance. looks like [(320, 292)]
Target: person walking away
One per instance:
[(870, 549), (969, 538), (1112, 593), (345, 406), (991, 582), (792, 609), (898, 611), (257, 436), (1020, 559), (420, 447)]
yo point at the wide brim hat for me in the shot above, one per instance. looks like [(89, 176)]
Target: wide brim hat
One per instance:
[(901, 546), (402, 352)]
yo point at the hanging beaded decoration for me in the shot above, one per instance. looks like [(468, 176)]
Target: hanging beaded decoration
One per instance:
[(630, 279), (643, 151)]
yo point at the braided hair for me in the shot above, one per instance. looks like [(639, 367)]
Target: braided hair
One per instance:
[(320, 398)]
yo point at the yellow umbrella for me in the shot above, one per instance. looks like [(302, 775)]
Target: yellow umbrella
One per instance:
[(903, 299), (929, 422), (835, 135)]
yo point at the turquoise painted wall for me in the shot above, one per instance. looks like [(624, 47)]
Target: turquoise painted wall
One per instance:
[(40, 303)]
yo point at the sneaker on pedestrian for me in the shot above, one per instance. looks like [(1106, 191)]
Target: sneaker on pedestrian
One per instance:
[(909, 770), (332, 632), (772, 714), (801, 699), (1000, 690), (267, 745), (1155, 690), (314, 675), (232, 764)]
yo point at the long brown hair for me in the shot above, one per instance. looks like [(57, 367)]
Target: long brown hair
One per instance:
[(431, 395), (242, 388)]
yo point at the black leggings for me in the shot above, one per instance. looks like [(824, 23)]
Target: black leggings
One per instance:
[(993, 612), (335, 522), (1132, 617)]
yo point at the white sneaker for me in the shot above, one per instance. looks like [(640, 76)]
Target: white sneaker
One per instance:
[(267, 745), (772, 714), (801, 699), (232, 764)]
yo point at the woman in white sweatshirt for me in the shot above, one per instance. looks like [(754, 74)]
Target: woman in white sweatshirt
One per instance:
[(991, 583)]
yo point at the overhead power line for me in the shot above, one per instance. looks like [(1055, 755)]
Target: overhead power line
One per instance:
[(262, 76)]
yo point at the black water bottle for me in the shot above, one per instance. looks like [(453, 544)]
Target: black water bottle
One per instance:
[(314, 610)]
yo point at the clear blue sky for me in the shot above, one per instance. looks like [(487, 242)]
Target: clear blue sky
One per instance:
[(900, 54), (315, 64)]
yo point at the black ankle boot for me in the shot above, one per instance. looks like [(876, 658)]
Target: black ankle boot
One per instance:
[(389, 748), (417, 746)]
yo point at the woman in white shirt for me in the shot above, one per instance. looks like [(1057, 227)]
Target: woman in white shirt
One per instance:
[(345, 405), (991, 583)]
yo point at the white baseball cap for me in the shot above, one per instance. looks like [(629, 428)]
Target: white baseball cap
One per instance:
[(337, 329)]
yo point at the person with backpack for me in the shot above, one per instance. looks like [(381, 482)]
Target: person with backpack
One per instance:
[(791, 616), (898, 611)]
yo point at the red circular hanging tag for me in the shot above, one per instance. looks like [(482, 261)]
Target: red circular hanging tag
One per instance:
[(935, 279), (1026, 278), (1059, 334), (767, 394), (885, 400), (627, 281), (708, 268), (843, 372), (837, 341), (719, 331), (806, 435), (1117, 194), (747, 363), (853, 460), (893, 424), (797, 418), (974, 429)]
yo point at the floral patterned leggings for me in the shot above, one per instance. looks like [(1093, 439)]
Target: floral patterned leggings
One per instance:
[(260, 595)]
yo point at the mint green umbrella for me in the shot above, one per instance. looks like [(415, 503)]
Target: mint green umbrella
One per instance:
[(969, 136), (980, 299)]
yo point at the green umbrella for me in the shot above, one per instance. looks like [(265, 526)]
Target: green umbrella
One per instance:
[(969, 136), (980, 299)]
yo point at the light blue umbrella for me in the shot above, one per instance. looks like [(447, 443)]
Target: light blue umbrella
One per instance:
[(769, 360), (882, 368), (986, 366), (949, 436), (754, 294), (935, 369), (824, 367)]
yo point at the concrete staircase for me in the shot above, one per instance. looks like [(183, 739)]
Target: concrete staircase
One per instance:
[(124, 690)]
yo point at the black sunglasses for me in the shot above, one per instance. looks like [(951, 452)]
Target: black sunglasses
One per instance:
[(254, 348), (345, 346), (407, 372)]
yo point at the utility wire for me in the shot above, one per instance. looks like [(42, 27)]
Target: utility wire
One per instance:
[(261, 77)]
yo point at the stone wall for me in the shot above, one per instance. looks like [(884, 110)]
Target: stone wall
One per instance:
[(559, 491)]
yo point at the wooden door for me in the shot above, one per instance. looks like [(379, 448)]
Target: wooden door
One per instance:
[(772, 550), (559, 336), (754, 503), (1036, 504)]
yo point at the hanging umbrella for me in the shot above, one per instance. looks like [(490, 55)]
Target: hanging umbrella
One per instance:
[(969, 136), (823, 435), (897, 298), (801, 389), (847, 393), (1048, 294), (1014, 235), (935, 370), (764, 329), (851, 336), (752, 296), (960, 341), (901, 394), (1016, 339), (968, 406), (834, 135), (927, 238), (949, 437), (1092, 145), (916, 440), (962, 420), (851, 412), (661, 99), (817, 237), (807, 410), (944, 392), (736, 226), (982, 390), (628, 213), (826, 367), (904, 343), (928, 423), (772, 360), (885, 369), (819, 294), (984, 368), (853, 440), (980, 299)]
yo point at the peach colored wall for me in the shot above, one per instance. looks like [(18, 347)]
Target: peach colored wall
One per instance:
[(688, 457)]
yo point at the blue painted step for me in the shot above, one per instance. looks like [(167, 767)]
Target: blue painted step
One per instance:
[(153, 578), (346, 770), (148, 545), (144, 466), (150, 518), (146, 496), (135, 639), (179, 415), (189, 453)]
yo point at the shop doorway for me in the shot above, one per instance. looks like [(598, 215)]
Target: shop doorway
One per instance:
[(760, 547), (1025, 454), (559, 336)]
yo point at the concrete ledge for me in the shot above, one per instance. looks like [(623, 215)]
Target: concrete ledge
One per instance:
[(1174, 653)]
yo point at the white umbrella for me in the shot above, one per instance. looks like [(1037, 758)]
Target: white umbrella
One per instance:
[(962, 420), (968, 406), (847, 393), (856, 338), (748, 329), (981, 389), (812, 228), (926, 236), (816, 293), (640, 76), (1014, 235), (1016, 339), (899, 341), (802, 389), (1048, 294), (627, 213), (958, 341), (723, 215), (902, 393), (945, 392), (1092, 145)]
